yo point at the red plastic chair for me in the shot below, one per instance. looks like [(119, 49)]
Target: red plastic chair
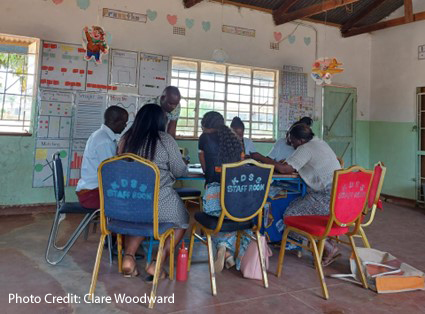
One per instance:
[(349, 194), (373, 201)]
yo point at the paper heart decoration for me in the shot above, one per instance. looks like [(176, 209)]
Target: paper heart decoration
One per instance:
[(291, 39), (57, 1), (151, 14), (277, 36), (189, 23), (206, 25), (172, 19), (83, 4), (307, 40)]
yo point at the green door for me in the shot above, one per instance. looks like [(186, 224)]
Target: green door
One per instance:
[(339, 114)]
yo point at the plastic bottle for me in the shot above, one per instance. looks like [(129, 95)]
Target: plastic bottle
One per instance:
[(182, 259)]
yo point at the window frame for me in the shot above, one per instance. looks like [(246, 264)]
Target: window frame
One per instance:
[(198, 99), (35, 78)]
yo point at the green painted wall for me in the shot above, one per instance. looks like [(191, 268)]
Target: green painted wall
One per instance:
[(394, 143)]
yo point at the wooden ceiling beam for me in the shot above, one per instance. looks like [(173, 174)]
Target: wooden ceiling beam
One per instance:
[(382, 25), (284, 7), (357, 18), (190, 3), (327, 5), (408, 11)]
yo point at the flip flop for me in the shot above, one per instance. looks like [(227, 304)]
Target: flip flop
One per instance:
[(329, 260), (133, 272)]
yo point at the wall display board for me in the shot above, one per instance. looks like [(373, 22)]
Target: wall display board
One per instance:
[(44, 151), (74, 94), (88, 114), (153, 73), (293, 100), (55, 114), (124, 68), (76, 158), (63, 66)]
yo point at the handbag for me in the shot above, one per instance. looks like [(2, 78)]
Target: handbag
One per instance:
[(384, 272), (250, 263)]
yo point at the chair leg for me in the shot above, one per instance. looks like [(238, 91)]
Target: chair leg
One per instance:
[(358, 263), (238, 243), (172, 240), (86, 232), (51, 242), (211, 265), (262, 259), (119, 252), (150, 249), (157, 271), (96, 266), (319, 268), (364, 238), (282, 252), (192, 240), (110, 248)]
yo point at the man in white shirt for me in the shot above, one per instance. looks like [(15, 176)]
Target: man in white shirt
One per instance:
[(101, 145)]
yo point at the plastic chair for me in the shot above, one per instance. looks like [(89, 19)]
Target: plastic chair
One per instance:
[(349, 195), (244, 189), (129, 192), (373, 201), (63, 207)]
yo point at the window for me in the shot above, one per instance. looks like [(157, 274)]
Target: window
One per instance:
[(18, 59), (232, 90)]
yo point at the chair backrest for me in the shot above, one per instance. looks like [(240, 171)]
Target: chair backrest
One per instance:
[(244, 189), (129, 189), (349, 194), (376, 186), (58, 179)]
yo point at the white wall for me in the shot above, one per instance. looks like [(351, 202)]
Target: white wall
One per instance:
[(396, 72), (64, 22)]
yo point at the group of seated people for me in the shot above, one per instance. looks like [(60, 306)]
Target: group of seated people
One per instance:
[(152, 136)]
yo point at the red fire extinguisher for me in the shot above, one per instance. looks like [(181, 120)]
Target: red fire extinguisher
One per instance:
[(182, 264)]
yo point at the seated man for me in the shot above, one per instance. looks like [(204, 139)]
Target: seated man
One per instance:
[(101, 145), (169, 101)]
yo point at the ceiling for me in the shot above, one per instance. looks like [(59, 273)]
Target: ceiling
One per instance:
[(353, 17)]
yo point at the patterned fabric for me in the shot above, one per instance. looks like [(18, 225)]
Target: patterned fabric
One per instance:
[(313, 203), (316, 162), (173, 115), (171, 166), (211, 206)]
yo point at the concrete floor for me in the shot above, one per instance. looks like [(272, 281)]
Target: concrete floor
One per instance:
[(23, 271)]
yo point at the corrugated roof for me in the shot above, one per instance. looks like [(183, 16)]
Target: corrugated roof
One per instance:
[(337, 16)]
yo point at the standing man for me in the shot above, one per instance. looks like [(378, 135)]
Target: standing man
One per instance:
[(170, 104), (101, 145)]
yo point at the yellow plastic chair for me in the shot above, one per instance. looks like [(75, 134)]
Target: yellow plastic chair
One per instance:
[(244, 189), (129, 192)]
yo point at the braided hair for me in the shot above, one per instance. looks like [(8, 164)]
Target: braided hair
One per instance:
[(230, 146)]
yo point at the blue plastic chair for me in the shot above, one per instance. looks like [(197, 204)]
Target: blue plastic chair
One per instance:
[(129, 193)]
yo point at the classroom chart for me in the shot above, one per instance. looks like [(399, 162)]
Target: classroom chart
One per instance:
[(124, 68), (153, 74), (88, 114), (63, 66), (76, 161), (43, 157)]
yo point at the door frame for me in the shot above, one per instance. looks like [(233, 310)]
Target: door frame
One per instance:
[(354, 117)]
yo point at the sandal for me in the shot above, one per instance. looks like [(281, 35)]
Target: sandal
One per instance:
[(128, 271)]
